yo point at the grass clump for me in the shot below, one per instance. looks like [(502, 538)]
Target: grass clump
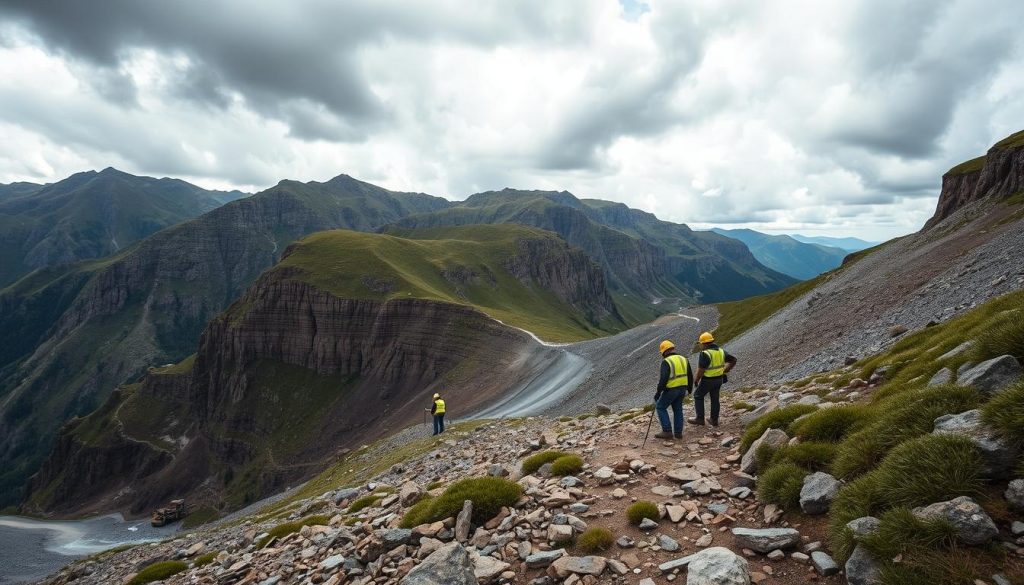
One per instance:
[(489, 495), (832, 424), (1005, 413), (781, 485), (778, 419), (595, 539), (206, 559), (363, 503), (158, 572), (904, 416), (434, 485), (741, 405), (640, 510), (809, 456), (567, 465), (282, 530), (1005, 337), (534, 462)]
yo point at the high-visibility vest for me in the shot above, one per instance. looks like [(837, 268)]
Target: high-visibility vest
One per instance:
[(678, 372), (439, 406), (717, 367)]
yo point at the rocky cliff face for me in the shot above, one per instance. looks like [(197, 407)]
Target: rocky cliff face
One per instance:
[(1000, 173)]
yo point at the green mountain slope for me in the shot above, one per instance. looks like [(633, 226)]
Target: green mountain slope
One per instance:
[(848, 244), (787, 255), (646, 260), (18, 189), (91, 215), (70, 334)]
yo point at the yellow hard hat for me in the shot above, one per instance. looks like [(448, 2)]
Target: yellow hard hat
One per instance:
[(706, 337), (665, 346), (436, 396)]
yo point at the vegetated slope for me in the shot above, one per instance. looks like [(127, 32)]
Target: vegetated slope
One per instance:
[(69, 335), (973, 253), (787, 255), (647, 261), (848, 244), (342, 341), (91, 215)]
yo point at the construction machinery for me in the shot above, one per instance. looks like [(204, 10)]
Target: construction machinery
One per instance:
[(171, 513)]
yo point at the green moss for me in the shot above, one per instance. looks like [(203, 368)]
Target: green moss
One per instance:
[(595, 540), (534, 462), (781, 485), (158, 572), (778, 419), (637, 511), (567, 465), (1014, 140), (1005, 413), (489, 496), (832, 424), (363, 503), (970, 166)]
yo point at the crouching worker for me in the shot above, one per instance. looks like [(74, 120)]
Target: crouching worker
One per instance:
[(438, 411), (675, 383)]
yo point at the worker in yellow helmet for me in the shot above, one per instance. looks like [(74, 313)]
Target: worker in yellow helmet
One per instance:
[(675, 383), (438, 411), (712, 366)]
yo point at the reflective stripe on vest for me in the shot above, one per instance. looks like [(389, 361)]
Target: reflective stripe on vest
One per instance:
[(678, 374), (717, 367), (439, 406)]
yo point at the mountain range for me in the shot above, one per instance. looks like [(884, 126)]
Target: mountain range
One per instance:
[(788, 255), (849, 244)]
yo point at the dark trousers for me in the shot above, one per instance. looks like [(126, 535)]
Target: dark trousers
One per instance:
[(438, 424), (671, 397), (707, 386)]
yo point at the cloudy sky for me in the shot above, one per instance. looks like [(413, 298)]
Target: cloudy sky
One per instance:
[(815, 116)]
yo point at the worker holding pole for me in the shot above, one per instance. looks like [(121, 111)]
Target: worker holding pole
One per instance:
[(673, 385)]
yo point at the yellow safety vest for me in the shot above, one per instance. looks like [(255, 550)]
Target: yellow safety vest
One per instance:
[(678, 373), (717, 367), (439, 406)]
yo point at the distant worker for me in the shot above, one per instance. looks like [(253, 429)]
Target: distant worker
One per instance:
[(675, 383), (712, 366), (438, 411)]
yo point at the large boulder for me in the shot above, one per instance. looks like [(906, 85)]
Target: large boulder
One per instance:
[(973, 526), (774, 438), (1015, 494), (1000, 455), (992, 375), (410, 493), (862, 568), (717, 566), (817, 493), (765, 540), (749, 417), (864, 526), (448, 565)]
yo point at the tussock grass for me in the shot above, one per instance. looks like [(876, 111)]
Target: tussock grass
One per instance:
[(363, 503), (158, 572), (809, 456), (832, 424), (567, 465), (206, 559), (418, 514), (282, 530), (741, 405), (781, 485), (640, 510), (489, 495), (1005, 413), (534, 462), (595, 540), (779, 419), (1003, 338)]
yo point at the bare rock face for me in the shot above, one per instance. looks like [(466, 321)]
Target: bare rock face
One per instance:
[(992, 375), (999, 174)]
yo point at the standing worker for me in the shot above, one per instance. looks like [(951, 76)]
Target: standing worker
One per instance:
[(438, 411), (712, 366), (674, 384)]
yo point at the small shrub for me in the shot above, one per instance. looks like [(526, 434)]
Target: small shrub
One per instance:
[(564, 418), (363, 503), (779, 419), (640, 510), (282, 530), (1005, 413), (741, 405), (418, 513), (206, 559), (629, 416), (566, 465), (649, 408), (595, 540), (1006, 337), (832, 424), (781, 485), (158, 572), (489, 495), (810, 456), (534, 462)]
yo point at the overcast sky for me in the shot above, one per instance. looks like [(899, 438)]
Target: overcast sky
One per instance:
[(814, 117)]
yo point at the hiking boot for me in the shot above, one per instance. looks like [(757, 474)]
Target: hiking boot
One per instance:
[(679, 436), (663, 435), (694, 421), (714, 423)]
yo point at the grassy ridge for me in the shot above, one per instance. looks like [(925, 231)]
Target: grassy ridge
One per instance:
[(737, 317), (463, 265)]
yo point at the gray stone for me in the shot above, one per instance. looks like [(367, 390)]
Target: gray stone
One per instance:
[(625, 542), (992, 375), (811, 399), (683, 474), (749, 417), (717, 566), (1001, 579), (559, 533), (345, 494), (956, 351), (409, 493), (765, 540), (667, 543), (824, 564), (817, 493), (497, 470), (776, 555), (862, 569), (1015, 494), (578, 508), (680, 563), (973, 526), (943, 376), (331, 562), (570, 481), (718, 508), (773, 438), (740, 492), (603, 409), (648, 524), (864, 526), (590, 565), (1017, 528), (487, 568), (392, 537), (543, 558), (744, 479), (448, 565), (1000, 456), (800, 557), (271, 580), (462, 521), (702, 486)]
